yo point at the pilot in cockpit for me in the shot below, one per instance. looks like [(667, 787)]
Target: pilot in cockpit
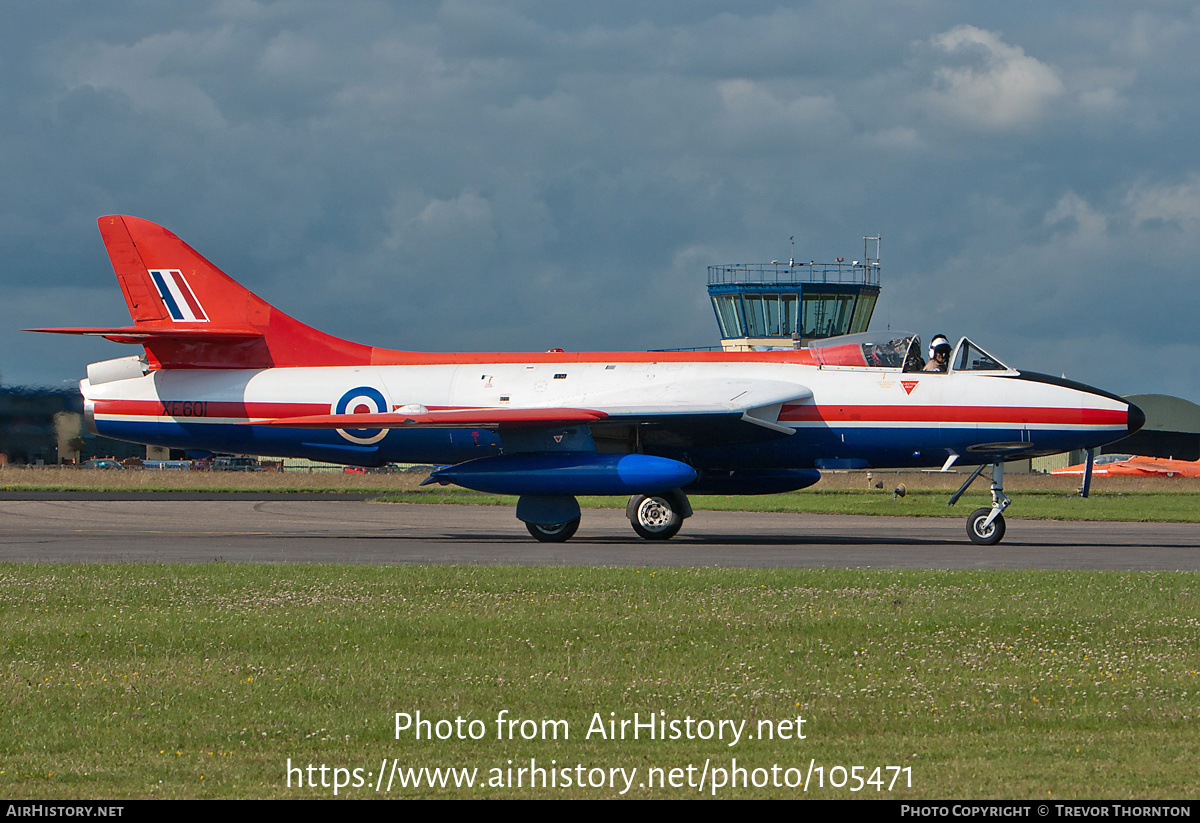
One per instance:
[(939, 355)]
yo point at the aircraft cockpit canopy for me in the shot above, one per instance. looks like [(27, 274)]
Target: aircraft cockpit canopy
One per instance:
[(969, 357), (898, 350), (873, 350)]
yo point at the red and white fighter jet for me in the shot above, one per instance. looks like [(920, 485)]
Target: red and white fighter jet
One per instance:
[(225, 371), (1133, 465)]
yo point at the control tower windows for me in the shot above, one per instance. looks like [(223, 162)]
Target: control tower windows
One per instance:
[(729, 314), (826, 315), (862, 313)]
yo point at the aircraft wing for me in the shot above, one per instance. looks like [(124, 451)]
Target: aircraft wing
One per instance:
[(756, 402), (141, 334), (1170, 468), (1132, 467)]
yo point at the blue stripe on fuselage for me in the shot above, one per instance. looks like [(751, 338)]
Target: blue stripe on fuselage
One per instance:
[(808, 448), (438, 446)]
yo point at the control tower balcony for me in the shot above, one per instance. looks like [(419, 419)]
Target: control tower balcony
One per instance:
[(784, 305)]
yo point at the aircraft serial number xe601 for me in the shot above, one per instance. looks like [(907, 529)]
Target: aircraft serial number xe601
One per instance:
[(224, 371)]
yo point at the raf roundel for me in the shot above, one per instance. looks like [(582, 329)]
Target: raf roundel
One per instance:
[(362, 400)]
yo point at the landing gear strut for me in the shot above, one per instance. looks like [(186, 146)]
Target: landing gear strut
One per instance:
[(985, 527)]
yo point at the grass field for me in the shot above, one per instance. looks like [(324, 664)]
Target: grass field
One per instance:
[(1036, 496), (55, 477), (184, 681), (44, 478), (136, 681)]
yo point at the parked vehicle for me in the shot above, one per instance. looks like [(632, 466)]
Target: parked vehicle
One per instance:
[(167, 465), (236, 464), (103, 463)]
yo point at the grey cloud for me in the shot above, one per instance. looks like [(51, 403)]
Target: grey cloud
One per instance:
[(982, 82), (508, 176)]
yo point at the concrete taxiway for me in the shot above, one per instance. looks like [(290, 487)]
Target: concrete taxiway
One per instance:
[(284, 529)]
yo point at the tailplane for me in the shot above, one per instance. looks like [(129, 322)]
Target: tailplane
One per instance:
[(190, 314)]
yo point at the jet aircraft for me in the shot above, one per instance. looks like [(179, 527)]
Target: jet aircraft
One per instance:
[(1132, 465), (225, 371)]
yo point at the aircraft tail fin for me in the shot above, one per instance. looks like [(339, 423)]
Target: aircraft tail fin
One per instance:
[(190, 314)]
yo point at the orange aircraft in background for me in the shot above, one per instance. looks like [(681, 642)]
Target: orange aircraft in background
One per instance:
[(1132, 465)]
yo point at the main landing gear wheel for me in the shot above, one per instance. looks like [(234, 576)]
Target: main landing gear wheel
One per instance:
[(553, 532), (988, 535), (654, 518)]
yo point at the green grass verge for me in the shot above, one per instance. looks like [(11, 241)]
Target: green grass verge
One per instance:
[(1035, 495), (202, 681), (331, 490)]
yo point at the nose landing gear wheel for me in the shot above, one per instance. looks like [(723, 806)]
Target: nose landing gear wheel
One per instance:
[(553, 532), (654, 518), (988, 535), (991, 533)]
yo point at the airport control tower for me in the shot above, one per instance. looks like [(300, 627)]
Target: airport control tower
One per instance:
[(777, 305)]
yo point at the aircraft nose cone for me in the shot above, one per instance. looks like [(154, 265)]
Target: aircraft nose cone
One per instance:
[(1137, 418)]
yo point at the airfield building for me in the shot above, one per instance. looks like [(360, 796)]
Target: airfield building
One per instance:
[(44, 426), (774, 305)]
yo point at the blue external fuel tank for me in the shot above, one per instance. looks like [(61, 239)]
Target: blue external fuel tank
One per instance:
[(569, 473)]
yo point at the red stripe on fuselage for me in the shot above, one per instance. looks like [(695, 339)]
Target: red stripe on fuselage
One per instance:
[(952, 414), (207, 408), (393, 357), (831, 415)]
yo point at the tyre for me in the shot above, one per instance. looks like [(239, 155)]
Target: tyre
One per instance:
[(654, 518), (553, 532), (982, 535)]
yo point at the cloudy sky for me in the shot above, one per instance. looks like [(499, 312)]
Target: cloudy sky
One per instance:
[(528, 175)]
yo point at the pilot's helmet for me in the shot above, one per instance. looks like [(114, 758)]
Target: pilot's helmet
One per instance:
[(939, 343)]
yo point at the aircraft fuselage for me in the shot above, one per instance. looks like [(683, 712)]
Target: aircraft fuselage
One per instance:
[(856, 418)]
